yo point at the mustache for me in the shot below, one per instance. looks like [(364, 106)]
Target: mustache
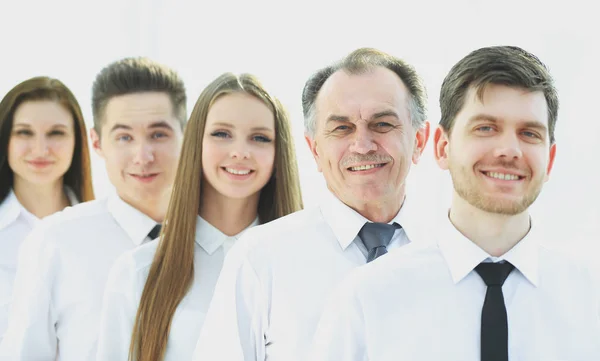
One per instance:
[(365, 158)]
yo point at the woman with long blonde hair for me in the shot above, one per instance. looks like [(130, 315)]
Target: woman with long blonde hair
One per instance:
[(237, 169)]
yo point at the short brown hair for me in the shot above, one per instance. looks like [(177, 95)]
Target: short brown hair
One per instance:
[(500, 65), (137, 75), (360, 61), (79, 175)]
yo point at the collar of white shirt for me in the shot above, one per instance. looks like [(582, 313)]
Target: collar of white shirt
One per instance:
[(462, 255), (210, 238), (345, 221), (136, 224), (11, 209)]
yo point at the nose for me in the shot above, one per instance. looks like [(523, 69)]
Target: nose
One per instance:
[(363, 142), (240, 150), (509, 148), (41, 146), (144, 153)]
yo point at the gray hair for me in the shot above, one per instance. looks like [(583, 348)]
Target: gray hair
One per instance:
[(360, 61)]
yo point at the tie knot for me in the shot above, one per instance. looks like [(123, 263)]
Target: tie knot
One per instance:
[(494, 274), (153, 234), (375, 235)]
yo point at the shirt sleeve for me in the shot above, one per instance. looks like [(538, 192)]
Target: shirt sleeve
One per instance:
[(235, 325), (119, 308), (340, 334), (31, 333)]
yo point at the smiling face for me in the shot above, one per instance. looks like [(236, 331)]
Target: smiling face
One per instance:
[(140, 143), (42, 142), (498, 153), (365, 141), (238, 147)]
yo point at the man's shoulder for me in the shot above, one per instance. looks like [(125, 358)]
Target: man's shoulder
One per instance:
[(406, 264), (285, 229), (279, 236), (77, 213), (82, 218)]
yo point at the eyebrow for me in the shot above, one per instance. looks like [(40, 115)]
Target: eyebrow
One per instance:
[(156, 125), (254, 129), (343, 118), (490, 118), (27, 125)]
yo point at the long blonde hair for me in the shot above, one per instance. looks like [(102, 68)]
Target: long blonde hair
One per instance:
[(172, 271)]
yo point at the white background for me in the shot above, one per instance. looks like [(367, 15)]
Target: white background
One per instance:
[(283, 42)]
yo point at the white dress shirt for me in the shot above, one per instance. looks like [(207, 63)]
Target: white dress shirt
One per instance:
[(424, 303), (15, 224), (274, 282), (62, 269), (126, 283)]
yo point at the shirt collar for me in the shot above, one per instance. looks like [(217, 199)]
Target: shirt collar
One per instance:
[(210, 238), (345, 222), (136, 224), (462, 255), (11, 209)]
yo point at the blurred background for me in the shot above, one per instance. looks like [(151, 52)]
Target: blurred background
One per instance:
[(283, 42)]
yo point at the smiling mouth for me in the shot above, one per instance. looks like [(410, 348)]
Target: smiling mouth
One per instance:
[(237, 171), (145, 175), (365, 167), (503, 176)]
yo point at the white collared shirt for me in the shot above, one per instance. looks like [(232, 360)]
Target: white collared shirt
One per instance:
[(62, 269), (15, 224), (126, 284), (275, 280), (424, 303)]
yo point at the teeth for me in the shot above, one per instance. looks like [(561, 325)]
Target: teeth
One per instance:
[(502, 176), (365, 167), (237, 172)]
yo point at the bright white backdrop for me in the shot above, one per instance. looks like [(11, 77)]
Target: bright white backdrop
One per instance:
[(282, 42)]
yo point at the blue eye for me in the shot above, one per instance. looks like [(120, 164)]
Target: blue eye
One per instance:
[(124, 138), (220, 134), (530, 134), (262, 139), (159, 135)]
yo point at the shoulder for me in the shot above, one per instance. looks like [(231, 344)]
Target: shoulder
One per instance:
[(72, 223), (410, 264), (76, 214), (285, 230)]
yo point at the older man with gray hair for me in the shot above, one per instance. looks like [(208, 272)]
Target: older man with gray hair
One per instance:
[(365, 124)]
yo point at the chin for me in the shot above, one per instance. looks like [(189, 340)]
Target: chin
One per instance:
[(42, 179)]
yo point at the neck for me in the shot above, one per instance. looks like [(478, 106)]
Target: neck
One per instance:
[(41, 200), (230, 216), (495, 233), (155, 208), (380, 211)]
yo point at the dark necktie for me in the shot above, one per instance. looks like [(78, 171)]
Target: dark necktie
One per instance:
[(376, 237), (494, 323), (153, 234)]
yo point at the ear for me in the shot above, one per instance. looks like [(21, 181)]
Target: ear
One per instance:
[(95, 137), (421, 138), (312, 145), (550, 161), (440, 147)]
